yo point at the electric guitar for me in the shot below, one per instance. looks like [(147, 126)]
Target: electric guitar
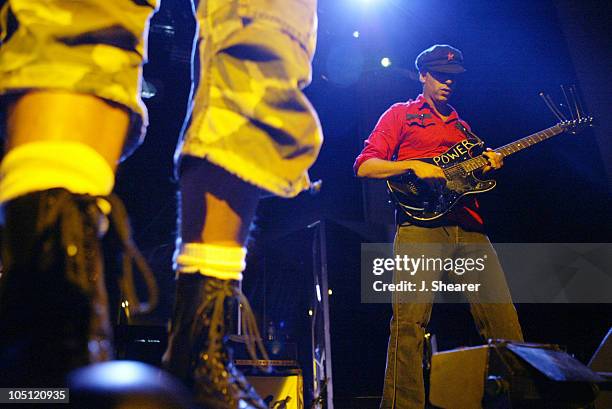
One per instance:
[(461, 163)]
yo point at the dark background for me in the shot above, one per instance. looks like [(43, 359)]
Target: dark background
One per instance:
[(558, 191)]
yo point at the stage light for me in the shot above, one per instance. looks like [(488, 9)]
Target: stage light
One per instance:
[(329, 291), (385, 62), (310, 313), (356, 34)]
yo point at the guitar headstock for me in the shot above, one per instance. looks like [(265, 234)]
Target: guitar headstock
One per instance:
[(574, 126), (578, 118)]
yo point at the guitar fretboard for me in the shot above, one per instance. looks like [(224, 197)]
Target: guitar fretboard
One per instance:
[(478, 162)]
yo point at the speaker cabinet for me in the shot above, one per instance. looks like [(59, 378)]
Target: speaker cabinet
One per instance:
[(507, 375)]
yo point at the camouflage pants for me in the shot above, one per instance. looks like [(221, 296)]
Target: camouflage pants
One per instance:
[(248, 115)]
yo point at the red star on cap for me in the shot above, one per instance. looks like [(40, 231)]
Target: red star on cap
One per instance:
[(450, 56)]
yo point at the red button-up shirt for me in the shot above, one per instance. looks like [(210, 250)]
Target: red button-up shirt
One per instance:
[(412, 130)]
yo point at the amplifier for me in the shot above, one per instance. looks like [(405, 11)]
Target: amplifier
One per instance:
[(283, 386), (508, 375)]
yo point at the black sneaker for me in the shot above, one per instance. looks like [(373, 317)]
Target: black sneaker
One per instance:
[(197, 347)]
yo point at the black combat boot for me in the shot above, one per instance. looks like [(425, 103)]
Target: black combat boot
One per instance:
[(53, 300), (197, 347)]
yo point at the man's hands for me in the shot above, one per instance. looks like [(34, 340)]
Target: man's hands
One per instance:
[(424, 170), (430, 174), (496, 160), (376, 168), (434, 175)]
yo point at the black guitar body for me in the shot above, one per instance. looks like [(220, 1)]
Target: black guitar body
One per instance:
[(420, 202)]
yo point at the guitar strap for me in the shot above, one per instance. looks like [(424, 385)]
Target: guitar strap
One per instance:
[(468, 133)]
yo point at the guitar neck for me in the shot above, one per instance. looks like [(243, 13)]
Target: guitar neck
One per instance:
[(514, 147), (530, 140)]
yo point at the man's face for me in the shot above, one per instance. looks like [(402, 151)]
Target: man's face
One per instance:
[(438, 86)]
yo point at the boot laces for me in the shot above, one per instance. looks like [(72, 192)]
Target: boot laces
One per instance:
[(215, 303), (89, 216), (131, 257)]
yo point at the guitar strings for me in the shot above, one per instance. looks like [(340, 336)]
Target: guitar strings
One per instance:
[(472, 164)]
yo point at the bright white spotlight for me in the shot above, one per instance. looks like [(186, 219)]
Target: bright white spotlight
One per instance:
[(385, 62), (356, 34)]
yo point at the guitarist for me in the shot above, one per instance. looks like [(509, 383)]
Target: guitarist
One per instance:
[(424, 128)]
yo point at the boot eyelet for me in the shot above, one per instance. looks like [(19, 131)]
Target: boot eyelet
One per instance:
[(72, 250)]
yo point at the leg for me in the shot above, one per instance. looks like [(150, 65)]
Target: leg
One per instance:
[(403, 386), (218, 206), (216, 210), (65, 116), (494, 314), (252, 129), (64, 136)]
